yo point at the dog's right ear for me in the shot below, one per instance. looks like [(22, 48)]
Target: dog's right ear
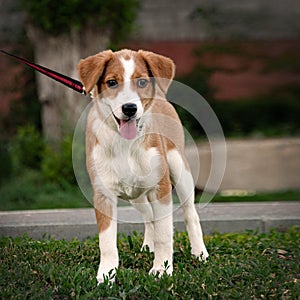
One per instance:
[(91, 68)]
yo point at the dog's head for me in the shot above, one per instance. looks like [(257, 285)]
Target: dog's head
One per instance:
[(125, 83)]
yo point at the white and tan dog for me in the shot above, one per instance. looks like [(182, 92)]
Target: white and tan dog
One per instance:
[(135, 152)]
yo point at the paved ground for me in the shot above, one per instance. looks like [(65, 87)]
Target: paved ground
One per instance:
[(80, 223)]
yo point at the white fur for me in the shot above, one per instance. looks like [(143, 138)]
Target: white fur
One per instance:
[(127, 175), (109, 258), (163, 238), (129, 67)]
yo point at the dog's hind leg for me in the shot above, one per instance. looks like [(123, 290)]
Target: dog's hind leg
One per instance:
[(183, 181), (144, 207)]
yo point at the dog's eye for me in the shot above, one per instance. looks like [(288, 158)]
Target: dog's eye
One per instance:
[(142, 82), (112, 83)]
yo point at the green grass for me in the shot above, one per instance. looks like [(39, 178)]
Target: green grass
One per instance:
[(241, 266), (29, 190), (293, 195)]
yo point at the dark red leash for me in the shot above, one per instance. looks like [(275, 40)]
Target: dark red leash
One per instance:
[(68, 81)]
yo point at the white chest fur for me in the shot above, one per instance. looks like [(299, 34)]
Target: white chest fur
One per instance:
[(126, 170)]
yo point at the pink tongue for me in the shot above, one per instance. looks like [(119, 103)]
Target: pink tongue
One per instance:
[(128, 129)]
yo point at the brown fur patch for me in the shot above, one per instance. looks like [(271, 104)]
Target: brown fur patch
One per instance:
[(103, 211), (113, 71), (165, 189), (168, 125), (92, 67)]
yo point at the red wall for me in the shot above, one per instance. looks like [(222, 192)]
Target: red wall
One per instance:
[(257, 68)]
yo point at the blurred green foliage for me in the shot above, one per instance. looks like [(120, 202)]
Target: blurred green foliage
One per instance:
[(276, 114), (6, 162), (57, 164), (60, 16), (28, 147), (30, 190), (29, 151)]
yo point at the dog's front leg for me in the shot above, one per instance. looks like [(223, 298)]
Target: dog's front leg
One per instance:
[(163, 237), (106, 215)]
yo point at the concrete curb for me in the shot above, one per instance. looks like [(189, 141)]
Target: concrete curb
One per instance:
[(80, 223)]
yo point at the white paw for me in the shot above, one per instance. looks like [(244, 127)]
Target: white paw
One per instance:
[(108, 274), (203, 255), (160, 270)]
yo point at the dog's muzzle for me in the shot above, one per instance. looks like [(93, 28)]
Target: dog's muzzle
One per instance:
[(128, 125)]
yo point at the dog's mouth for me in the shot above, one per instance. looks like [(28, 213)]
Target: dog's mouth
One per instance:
[(128, 128)]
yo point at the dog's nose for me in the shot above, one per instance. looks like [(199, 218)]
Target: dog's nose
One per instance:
[(129, 109)]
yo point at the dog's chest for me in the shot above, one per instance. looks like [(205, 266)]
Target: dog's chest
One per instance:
[(126, 172)]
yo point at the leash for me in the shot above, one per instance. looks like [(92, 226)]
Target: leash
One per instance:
[(68, 81)]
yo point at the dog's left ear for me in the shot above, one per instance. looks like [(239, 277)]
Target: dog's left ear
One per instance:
[(161, 67), (91, 68)]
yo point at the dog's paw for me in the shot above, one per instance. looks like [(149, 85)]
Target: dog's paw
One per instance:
[(108, 276), (160, 270), (203, 255)]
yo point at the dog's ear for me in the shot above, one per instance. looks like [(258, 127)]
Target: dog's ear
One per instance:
[(160, 67), (91, 68)]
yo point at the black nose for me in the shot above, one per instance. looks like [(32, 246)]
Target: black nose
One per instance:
[(129, 109)]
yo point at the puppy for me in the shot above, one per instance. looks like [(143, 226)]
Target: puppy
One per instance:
[(135, 152)]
